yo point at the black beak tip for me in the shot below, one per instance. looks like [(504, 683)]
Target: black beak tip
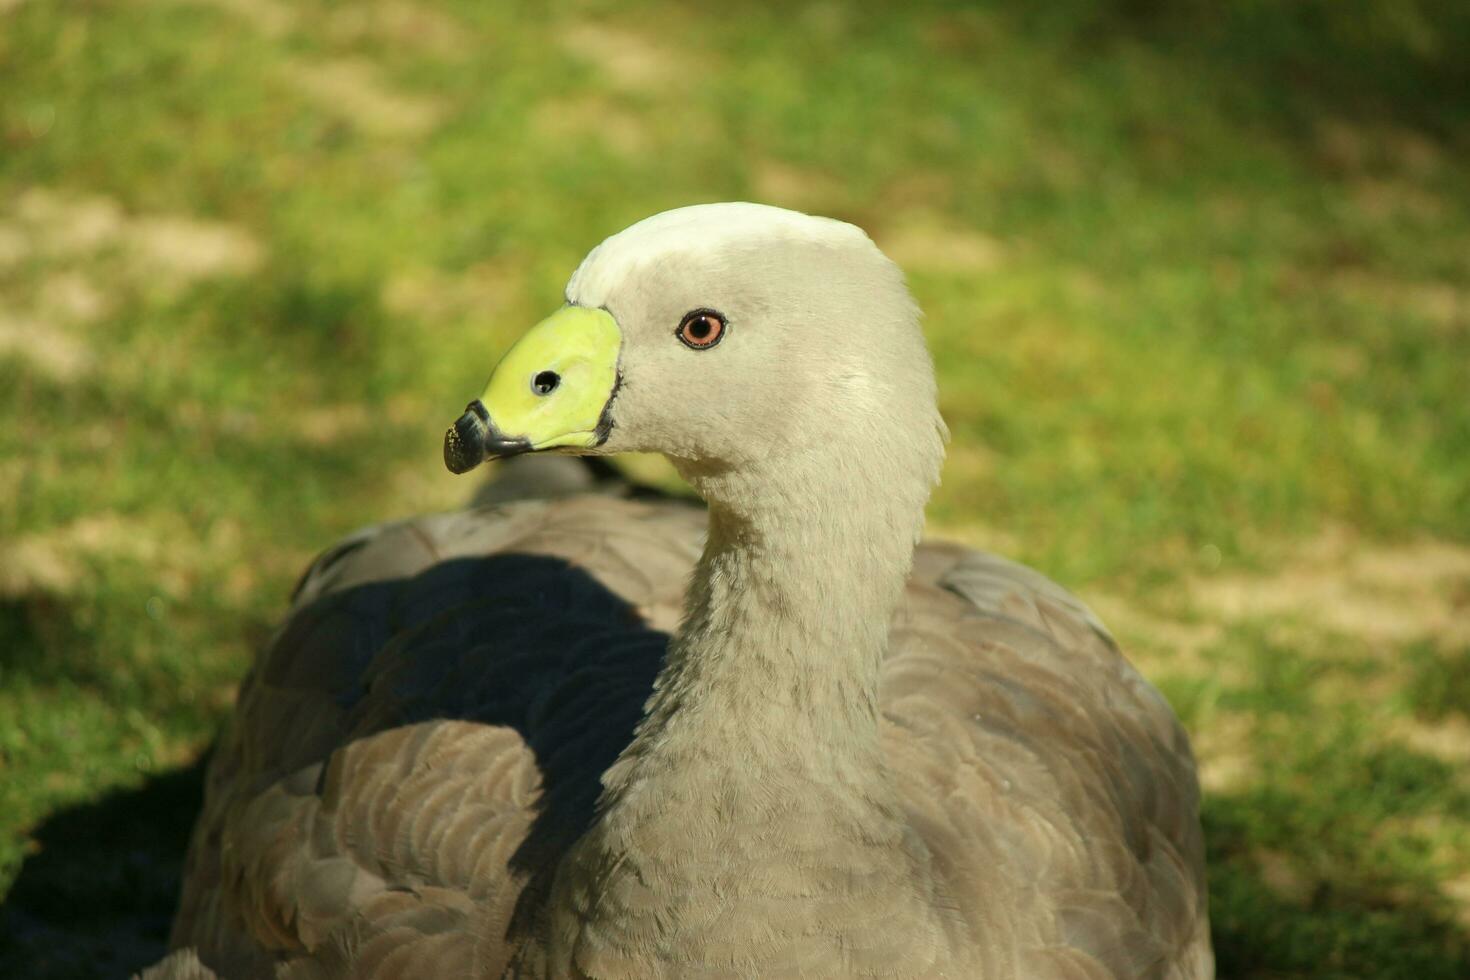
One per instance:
[(460, 454), (473, 438)]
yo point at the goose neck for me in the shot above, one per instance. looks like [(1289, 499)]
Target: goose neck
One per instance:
[(787, 623), (753, 809)]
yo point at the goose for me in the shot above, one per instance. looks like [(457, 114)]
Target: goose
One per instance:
[(606, 735)]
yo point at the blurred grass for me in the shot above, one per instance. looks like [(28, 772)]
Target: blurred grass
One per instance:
[(1195, 277)]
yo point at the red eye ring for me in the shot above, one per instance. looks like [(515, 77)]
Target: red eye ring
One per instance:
[(701, 329)]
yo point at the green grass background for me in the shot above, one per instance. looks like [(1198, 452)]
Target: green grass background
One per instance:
[(1196, 276)]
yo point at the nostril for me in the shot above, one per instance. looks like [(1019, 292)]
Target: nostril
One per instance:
[(545, 382)]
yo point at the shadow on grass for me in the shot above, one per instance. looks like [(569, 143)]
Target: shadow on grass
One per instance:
[(97, 898), (44, 641), (1399, 62), (1272, 916)]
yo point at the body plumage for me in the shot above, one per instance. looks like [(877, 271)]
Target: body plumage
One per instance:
[(602, 737)]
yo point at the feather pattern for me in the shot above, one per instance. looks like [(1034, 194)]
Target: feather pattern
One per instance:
[(424, 737)]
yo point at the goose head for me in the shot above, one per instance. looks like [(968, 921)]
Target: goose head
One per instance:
[(727, 337)]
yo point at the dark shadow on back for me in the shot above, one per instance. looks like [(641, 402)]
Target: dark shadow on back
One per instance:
[(528, 642), (525, 641)]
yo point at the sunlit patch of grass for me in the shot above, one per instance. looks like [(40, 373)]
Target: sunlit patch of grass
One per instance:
[(1330, 840)]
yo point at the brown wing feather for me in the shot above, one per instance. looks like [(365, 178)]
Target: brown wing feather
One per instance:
[(425, 734), (1054, 785)]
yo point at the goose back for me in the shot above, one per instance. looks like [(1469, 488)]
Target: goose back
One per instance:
[(422, 741)]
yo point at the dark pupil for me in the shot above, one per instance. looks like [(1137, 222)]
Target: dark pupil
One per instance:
[(546, 382), (700, 328)]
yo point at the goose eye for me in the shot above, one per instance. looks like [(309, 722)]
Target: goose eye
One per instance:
[(701, 329)]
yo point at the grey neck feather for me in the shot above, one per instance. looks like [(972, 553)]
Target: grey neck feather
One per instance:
[(755, 784), (787, 620)]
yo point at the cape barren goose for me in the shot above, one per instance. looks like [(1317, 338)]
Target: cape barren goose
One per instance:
[(598, 737)]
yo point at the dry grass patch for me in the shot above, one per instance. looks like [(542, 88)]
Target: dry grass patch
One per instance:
[(66, 232), (799, 188), (60, 226), (486, 289), (1444, 305), (628, 60), (622, 129), (71, 297), (1222, 748), (417, 26), (14, 246), (1282, 874), (1383, 594), (1447, 739), (353, 91), (59, 560), (1457, 890), (45, 348), (1352, 147), (1396, 199), (919, 190), (187, 249), (932, 242), (331, 424), (270, 17)]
